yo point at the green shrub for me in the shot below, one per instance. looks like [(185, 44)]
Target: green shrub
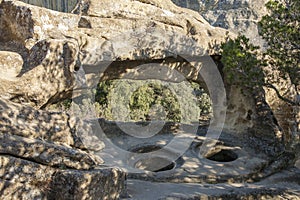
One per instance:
[(131, 100), (143, 101)]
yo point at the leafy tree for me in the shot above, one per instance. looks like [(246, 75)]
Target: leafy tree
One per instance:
[(147, 96), (150, 100), (102, 91), (281, 30), (241, 63), (244, 64)]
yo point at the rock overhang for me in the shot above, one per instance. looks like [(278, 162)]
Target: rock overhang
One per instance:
[(114, 40)]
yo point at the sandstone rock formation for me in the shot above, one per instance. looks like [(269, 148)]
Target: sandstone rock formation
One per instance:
[(23, 179), (31, 34), (42, 152), (236, 16), (241, 17), (132, 37), (39, 77), (42, 68), (47, 55)]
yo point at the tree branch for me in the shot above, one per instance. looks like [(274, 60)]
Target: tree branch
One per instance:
[(293, 103)]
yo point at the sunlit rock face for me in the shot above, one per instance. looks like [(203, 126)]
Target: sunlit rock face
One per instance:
[(45, 48), (236, 16), (122, 34), (43, 53), (242, 17)]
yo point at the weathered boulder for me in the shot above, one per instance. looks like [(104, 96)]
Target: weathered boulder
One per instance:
[(40, 78), (46, 138), (24, 179), (36, 71), (53, 133), (42, 152), (37, 124), (46, 153)]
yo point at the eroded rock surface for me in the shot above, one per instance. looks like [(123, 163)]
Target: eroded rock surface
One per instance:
[(49, 42), (44, 74), (41, 153), (47, 55), (275, 187), (236, 16), (23, 179)]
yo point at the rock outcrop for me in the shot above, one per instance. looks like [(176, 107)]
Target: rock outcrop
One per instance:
[(124, 37), (42, 152), (42, 37), (24, 179), (236, 16), (241, 17), (47, 55)]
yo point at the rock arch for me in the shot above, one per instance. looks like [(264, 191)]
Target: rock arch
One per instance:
[(132, 40), (117, 39)]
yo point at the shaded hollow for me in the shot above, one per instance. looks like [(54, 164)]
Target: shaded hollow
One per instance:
[(155, 164), (223, 156)]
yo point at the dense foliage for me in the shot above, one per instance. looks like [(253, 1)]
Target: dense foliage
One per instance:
[(143, 101), (245, 65), (150, 100), (281, 30), (241, 63), (129, 100)]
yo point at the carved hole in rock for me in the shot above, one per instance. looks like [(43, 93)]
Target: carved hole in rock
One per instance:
[(155, 164), (223, 156)]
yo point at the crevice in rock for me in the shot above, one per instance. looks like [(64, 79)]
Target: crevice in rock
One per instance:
[(26, 159)]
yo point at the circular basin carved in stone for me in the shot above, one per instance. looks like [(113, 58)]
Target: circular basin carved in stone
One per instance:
[(224, 155), (155, 164)]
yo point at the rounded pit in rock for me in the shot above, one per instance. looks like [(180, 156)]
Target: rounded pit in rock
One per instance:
[(224, 155), (155, 164), (154, 158)]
